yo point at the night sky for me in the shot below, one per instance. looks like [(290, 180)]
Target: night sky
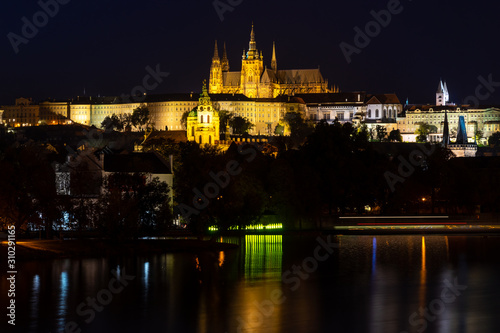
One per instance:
[(104, 46)]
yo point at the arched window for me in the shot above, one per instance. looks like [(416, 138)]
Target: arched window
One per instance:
[(200, 140), (201, 119), (210, 139), (208, 119), (376, 113), (369, 113), (192, 131)]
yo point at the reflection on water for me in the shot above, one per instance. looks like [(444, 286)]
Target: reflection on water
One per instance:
[(34, 300), (62, 307), (263, 256), (369, 284)]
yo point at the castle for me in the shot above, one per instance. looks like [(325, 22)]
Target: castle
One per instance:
[(257, 81)]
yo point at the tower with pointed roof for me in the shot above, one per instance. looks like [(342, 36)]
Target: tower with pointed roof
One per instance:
[(225, 61), (252, 67), (203, 121), (216, 84), (274, 62), (442, 95)]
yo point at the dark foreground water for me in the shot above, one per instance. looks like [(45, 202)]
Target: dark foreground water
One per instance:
[(272, 284)]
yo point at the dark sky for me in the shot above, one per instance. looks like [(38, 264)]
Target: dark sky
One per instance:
[(105, 45)]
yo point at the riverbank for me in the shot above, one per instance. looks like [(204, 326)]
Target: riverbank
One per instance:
[(50, 249)]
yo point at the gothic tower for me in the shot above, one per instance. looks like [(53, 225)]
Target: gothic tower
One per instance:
[(252, 66), (225, 62), (442, 95), (274, 63), (215, 85)]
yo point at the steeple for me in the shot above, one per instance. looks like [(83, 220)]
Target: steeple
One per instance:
[(225, 62), (440, 87), (252, 53), (274, 63), (215, 83), (216, 52), (252, 45), (441, 94)]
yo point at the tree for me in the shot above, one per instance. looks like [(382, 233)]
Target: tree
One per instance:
[(185, 117), (299, 128), (395, 136), (478, 134), (224, 118), (423, 130), (279, 129), (494, 139), (381, 132), (113, 122), (141, 117), (240, 125)]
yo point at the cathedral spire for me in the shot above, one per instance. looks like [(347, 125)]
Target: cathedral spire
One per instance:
[(274, 63), (225, 62), (216, 51), (253, 44)]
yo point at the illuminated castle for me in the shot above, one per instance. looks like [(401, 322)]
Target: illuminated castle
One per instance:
[(257, 81)]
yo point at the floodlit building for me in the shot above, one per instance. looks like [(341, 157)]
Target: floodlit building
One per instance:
[(483, 120), (257, 81), (23, 113)]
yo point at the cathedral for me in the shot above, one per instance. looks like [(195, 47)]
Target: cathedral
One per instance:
[(257, 81)]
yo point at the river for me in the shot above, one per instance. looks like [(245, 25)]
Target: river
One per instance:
[(272, 283)]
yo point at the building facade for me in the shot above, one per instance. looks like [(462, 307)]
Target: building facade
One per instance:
[(480, 121), (257, 81)]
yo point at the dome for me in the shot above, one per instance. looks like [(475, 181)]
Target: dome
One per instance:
[(193, 113)]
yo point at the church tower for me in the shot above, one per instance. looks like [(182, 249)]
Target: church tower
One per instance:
[(215, 85), (225, 62), (203, 122), (274, 63), (442, 95), (252, 66)]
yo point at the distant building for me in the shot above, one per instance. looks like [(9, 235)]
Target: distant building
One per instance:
[(442, 95), (257, 81), (355, 107), (23, 113), (484, 119), (461, 147)]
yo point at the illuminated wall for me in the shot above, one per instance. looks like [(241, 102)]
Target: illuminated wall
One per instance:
[(23, 113), (486, 120)]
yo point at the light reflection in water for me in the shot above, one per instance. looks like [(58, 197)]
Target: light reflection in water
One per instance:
[(423, 278), (221, 258), (374, 255), (35, 301), (62, 309), (263, 256)]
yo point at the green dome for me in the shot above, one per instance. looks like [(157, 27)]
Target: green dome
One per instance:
[(193, 113)]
